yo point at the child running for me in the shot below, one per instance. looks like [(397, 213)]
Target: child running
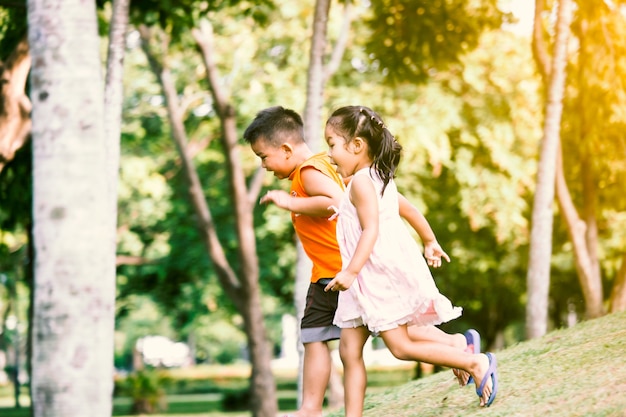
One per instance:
[(386, 288), (276, 136)]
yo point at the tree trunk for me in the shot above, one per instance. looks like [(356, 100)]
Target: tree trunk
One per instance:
[(74, 288), (582, 233), (244, 292), (538, 276), (588, 276), (114, 94), (618, 295), (317, 76), (15, 106), (263, 388), (590, 200)]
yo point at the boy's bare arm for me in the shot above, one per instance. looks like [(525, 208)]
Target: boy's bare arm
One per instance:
[(324, 192)]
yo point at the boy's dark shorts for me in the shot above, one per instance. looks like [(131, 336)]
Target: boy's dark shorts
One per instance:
[(319, 312)]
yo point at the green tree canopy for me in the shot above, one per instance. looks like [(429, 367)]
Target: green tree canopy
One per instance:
[(411, 40)]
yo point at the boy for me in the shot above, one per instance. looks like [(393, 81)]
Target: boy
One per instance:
[(276, 135)]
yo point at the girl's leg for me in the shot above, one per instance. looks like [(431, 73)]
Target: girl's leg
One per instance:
[(404, 348), (354, 374), (435, 334)]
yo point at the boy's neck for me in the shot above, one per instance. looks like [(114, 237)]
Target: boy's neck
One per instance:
[(302, 152)]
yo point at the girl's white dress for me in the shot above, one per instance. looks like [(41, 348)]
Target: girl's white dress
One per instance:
[(395, 286)]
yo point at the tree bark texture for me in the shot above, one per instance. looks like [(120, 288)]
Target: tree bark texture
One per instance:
[(538, 276), (15, 106), (74, 286), (577, 230), (618, 295), (114, 94), (315, 77), (582, 232), (244, 291), (262, 383), (540, 51)]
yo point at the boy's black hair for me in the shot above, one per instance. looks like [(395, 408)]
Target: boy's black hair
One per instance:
[(274, 122)]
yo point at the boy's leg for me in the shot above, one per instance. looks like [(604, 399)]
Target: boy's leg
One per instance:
[(317, 330), (315, 376), (354, 373)]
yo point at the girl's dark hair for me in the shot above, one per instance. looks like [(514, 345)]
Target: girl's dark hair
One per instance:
[(363, 122)]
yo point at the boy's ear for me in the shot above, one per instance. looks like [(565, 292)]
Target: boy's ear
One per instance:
[(287, 149)]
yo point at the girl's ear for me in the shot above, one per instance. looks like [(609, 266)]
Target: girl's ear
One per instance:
[(358, 144)]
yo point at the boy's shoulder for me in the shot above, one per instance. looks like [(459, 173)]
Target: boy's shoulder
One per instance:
[(321, 163), (319, 160)]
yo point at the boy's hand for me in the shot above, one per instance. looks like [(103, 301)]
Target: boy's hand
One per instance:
[(341, 282), (279, 197), (433, 254)]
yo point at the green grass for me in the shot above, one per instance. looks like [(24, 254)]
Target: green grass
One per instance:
[(573, 372)]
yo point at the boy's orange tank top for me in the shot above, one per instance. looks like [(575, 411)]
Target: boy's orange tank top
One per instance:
[(317, 234)]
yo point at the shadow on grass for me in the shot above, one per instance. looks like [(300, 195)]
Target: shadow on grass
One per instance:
[(176, 405)]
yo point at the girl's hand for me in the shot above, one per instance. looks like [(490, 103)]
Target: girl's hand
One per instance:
[(433, 254), (341, 282)]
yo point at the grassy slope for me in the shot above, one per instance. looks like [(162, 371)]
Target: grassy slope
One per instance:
[(579, 371), (568, 373)]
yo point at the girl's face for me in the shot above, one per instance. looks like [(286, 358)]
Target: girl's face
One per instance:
[(340, 152)]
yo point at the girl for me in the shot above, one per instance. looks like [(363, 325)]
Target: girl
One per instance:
[(385, 282)]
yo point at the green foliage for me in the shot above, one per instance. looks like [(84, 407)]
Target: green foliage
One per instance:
[(145, 387), (137, 316), (594, 116), (236, 400), (593, 125), (181, 15), (470, 141), (13, 27), (178, 274), (411, 40), (15, 246), (470, 134), (16, 191)]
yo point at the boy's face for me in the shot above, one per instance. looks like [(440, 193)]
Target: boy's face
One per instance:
[(275, 159)]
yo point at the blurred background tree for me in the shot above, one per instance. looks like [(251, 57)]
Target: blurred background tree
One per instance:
[(456, 85)]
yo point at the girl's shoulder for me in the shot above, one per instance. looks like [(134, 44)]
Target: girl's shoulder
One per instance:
[(366, 178), (370, 173)]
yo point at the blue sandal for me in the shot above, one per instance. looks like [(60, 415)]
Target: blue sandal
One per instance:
[(491, 373), (473, 342)]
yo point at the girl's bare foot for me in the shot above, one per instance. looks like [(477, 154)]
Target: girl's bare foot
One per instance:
[(485, 378)]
